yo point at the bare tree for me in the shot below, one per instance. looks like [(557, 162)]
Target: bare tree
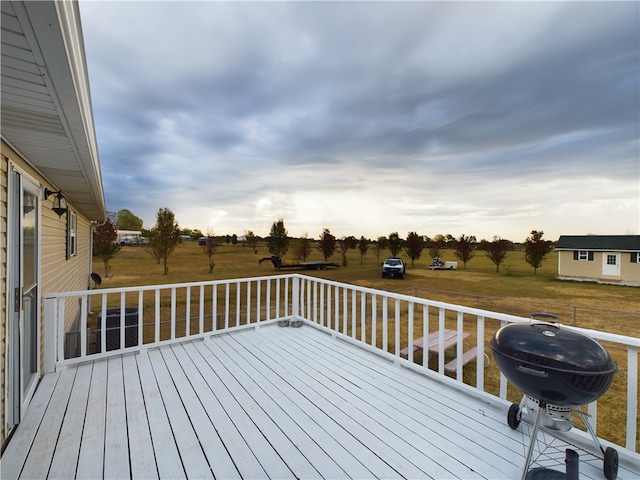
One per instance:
[(303, 248), (209, 248)]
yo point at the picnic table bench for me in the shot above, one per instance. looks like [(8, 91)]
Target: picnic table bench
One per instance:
[(450, 339)]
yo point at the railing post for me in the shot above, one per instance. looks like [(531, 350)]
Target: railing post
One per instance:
[(50, 335), (295, 298)]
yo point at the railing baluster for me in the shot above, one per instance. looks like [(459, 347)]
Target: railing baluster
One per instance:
[(363, 312), (140, 318), (632, 396), (385, 323), (480, 359), (397, 328), (187, 330), (238, 294), (83, 326), (173, 313), (425, 333), (201, 311), (410, 332), (441, 326), (374, 320), (157, 316), (214, 308), (123, 306), (248, 303)]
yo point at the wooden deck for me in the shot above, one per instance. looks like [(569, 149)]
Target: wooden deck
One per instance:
[(266, 403)]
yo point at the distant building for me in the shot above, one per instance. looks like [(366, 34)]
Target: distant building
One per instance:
[(600, 258)]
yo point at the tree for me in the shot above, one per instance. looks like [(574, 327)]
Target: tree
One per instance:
[(104, 243), (344, 248), (536, 249), (252, 241), (464, 249), (128, 221), (413, 246), (304, 247), (436, 246), (278, 241), (327, 244), (363, 246), (381, 244), (164, 236), (209, 248), (497, 250), (394, 244)]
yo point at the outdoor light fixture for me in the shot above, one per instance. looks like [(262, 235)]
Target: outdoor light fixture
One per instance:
[(59, 202)]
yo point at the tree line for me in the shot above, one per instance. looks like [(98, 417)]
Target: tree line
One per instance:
[(166, 234)]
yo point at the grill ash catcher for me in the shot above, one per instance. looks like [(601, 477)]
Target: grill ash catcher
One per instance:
[(557, 369)]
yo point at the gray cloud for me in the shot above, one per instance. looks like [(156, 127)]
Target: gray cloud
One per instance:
[(264, 108)]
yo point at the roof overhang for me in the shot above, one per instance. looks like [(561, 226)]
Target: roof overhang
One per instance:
[(46, 107)]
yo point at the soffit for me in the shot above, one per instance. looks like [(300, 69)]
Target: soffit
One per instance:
[(45, 100)]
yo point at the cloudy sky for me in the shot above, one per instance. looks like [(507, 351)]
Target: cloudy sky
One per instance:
[(367, 118)]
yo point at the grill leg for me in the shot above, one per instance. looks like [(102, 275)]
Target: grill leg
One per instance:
[(534, 433)]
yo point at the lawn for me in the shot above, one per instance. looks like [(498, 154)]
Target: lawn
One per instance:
[(515, 289)]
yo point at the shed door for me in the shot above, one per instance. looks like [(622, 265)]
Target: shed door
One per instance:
[(611, 264)]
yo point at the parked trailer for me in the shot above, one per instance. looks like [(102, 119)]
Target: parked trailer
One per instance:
[(278, 264), (438, 265)]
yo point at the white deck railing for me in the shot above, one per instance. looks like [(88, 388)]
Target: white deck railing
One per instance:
[(138, 318)]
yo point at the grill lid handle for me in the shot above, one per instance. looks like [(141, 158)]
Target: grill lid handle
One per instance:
[(532, 371)]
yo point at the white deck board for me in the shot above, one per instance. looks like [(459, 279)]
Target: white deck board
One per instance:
[(39, 459), (265, 403), (140, 443), (91, 456), (65, 460), (116, 443)]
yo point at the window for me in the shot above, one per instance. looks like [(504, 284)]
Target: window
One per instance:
[(612, 259), (583, 255), (73, 230), (635, 257)]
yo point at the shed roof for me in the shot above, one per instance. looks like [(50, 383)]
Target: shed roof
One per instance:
[(599, 242)]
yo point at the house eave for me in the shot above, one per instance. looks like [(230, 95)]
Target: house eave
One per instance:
[(46, 103)]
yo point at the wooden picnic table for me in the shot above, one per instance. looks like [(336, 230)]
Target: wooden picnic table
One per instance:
[(450, 339)]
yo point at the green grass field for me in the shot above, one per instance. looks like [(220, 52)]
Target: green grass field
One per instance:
[(513, 290)]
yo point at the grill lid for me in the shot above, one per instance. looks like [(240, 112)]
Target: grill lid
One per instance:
[(549, 345)]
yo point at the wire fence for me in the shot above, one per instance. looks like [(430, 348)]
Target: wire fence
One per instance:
[(577, 315)]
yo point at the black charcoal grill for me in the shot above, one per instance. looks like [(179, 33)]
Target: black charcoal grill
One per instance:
[(557, 369)]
